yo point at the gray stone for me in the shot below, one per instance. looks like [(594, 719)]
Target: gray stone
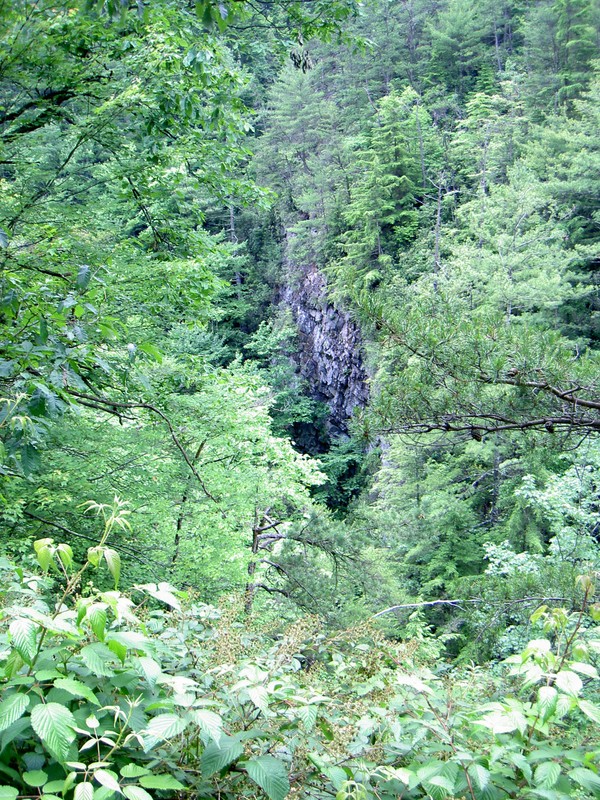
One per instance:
[(329, 355)]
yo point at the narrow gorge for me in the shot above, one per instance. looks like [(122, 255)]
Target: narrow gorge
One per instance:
[(329, 354)]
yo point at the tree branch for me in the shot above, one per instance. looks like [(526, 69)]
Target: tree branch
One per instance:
[(472, 601), (93, 539), (104, 404)]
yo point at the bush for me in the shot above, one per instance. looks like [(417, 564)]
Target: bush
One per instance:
[(108, 695)]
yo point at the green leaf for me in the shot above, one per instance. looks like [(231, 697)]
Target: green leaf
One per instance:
[(546, 774), (150, 669), (107, 778), (113, 561), (136, 793), (54, 624), (133, 771), (36, 777), (211, 724), (96, 614), (163, 592), (11, 709), (13, 731), (8, 793), (94, 554), (83, 277), (65, 554), (103, 793), (160, 782), (260, 697), (326, 730), (12, 773), (568, 682), (97, 658), (519, 760), (271, 775), (440, 782), (584, 669), (504, 721), (480, 775), (44, 557), (406, 679), (164, 726), (24, 638), (547, 699), (152, 351), (594, 612), (308, 714), (77, 689), (586, 778), (590, 710), (538, 613), (130, 640), (54, 786), (84, 791), (54, 725), (217, 757), (118, 648)]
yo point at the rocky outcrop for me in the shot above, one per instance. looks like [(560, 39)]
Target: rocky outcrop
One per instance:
[(329, 355)]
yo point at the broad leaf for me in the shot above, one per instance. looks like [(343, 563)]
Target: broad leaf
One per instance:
[(107, 778), (11, 709), (54, 725), (260, 697), (113, 561), (586, 778), (24, 638), (133, 771), (546, 774), (84, 791), (96, 614), (36, 778), (590, 710), (211, 724), (160, 782), (136, 793), (584, 669), (162, 727), (97, 658), (149, 668), (480, 775), (568, 682), (547, 699), (217, 757), (271, 775), (77, 689)]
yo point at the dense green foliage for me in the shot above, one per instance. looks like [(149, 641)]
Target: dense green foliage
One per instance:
[(450, 193), (104, 696), (397, 605)]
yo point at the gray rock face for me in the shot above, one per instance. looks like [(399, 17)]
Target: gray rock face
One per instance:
[(329, 354)]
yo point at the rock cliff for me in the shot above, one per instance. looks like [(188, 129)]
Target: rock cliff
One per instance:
[(329, 356)]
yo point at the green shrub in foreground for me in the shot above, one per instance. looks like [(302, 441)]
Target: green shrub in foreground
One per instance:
[(104, 697)]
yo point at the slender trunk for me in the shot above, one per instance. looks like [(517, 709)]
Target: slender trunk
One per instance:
[(495, 488), (497, 48), (234, 240), (421, 146), (251, 586), (261, 540), (182, 508), (438, 229)]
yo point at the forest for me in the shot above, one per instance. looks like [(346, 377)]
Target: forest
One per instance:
[(299, 399)]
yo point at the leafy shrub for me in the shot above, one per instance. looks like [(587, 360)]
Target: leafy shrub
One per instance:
[(104, 696)]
